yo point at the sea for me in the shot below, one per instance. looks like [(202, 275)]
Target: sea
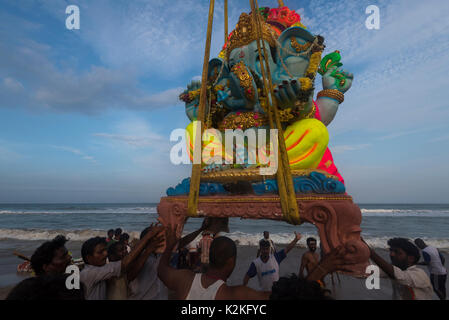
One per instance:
[(79, 222), (23, 227)]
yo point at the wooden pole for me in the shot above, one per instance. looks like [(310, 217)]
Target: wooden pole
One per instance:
[(192, 209), (288, 195), (226, 20), (281, 3)]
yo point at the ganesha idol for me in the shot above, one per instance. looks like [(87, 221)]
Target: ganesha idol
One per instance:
[(237, 101), (237, 97)]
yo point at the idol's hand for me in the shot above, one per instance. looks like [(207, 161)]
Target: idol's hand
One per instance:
[(337, 79), (192, 106), (287, 93)]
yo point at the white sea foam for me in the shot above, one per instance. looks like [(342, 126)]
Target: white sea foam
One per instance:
[(44, 234), (241, 238), (404, 213), (139, 210)]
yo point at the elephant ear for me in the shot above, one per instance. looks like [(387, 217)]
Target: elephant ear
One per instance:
[(216, 66), (294, 43)]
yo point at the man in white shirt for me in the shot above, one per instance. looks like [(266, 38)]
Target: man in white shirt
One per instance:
[(434, 261), (409, 282), (266, 267), (96, 271)]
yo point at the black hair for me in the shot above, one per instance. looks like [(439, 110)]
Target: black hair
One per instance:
[(264, 243), (118, 231), (295, 288), (89, 246), (310, 239), (45, 253), (124, 237), (409, 248), (110, 231), (221, 250), (45, 287), (113, 251), (420, 243)]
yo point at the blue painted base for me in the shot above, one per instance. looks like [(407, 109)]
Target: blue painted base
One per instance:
[(315, 182)]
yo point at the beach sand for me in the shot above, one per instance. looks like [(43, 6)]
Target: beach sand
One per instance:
[(348, 288)]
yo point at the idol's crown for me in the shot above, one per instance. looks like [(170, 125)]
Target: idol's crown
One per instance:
[(245, 32)]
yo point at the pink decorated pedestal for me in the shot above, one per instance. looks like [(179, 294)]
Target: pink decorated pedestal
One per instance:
[(336, 217)]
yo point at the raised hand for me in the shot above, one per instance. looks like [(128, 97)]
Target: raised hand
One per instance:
[(337, 79), (191, 104), (298, 236), (334, 261), (156, 243), (206, 224)]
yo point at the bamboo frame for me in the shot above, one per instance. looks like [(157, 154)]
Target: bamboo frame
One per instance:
[(196, 168)]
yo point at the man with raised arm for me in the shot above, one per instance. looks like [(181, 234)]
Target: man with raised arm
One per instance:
[(210, 285), (266, 267), (97, 271), (409, 282)]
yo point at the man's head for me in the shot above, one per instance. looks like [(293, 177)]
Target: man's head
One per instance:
[(110, 233), (403, 253), (266, 235), (94, 251), (117, 233), (51, 257), (45, 287), (222, 255), (294, 288), (124, 238), (311, 244), (117, 251), (420, 243), (265, 249), (218, 225)]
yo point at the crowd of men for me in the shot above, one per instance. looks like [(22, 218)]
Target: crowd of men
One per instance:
[(160, 266)]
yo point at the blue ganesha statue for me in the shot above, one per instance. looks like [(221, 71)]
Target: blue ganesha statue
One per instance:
[(236, 95)]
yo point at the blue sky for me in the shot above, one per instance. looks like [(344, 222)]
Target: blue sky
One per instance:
[(85, 115)]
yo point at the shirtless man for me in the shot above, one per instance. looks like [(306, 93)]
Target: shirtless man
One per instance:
[(309, 259), (210, 285)]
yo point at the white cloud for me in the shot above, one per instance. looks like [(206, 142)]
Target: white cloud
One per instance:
[(12, 85), (135, 133), (76, 152)]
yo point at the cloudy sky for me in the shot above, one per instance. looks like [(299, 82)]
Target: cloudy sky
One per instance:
[(86, 115)]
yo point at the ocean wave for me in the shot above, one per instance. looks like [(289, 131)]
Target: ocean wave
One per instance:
[(241, 238), (139, 210), (45, 234), (404, 213)]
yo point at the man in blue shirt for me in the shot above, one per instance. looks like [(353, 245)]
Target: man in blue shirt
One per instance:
[(266, 267)]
